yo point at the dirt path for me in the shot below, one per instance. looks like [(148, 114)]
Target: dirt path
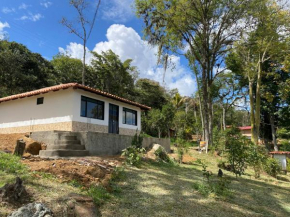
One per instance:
[(167, 191)]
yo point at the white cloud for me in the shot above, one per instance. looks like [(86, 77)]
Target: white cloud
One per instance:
[(23, 6), (126, 42), (32, 17), (118, 10), (7, 10), (75, 50), (46, 4), (2, 27)]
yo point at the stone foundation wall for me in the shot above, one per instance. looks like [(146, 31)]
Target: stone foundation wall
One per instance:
[(87, 127), (63, 126), (128, 132)]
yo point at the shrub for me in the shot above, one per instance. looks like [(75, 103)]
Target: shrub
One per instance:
[(237, 149), (12, 164), (219, 187), (272, 167), (256, 159), (161, 155), (285, 145), (137, 140), (181, 149), (133, 155)]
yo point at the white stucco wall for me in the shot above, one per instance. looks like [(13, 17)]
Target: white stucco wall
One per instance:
[(60, 106), (77, 110), (57, 107)]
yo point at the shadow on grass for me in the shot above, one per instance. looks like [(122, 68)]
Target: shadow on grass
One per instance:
[(161, 190)]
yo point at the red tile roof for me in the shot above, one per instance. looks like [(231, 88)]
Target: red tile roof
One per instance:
[(280, 152), (245, 128), (75, 86)]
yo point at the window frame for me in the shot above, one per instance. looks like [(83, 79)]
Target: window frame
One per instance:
[(40, 101), (97, 102), (124, 121)]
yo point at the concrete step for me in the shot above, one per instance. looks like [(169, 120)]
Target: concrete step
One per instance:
[(68, 142), (63, 153), (66, 147), (68, 137)]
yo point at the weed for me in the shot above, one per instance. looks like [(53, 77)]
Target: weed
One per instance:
[(12, 164), (98, 193), (133, 155), (218, 188)]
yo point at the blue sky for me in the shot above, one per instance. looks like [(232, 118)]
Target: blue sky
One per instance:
[(36, 24)]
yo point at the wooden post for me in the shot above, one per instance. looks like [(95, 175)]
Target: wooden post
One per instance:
[(19, 148)]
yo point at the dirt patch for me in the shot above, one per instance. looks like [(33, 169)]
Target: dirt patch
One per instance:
[(86, 171), (8, 142), (187, 158)]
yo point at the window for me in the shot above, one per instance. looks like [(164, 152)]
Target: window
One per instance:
[(92, 108), (129, 116), (39, 101)]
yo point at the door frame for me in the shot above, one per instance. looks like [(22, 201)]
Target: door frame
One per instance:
[(118, 116)]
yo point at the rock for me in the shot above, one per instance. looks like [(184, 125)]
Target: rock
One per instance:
[(33, 148), (32, 210), (13, 192)]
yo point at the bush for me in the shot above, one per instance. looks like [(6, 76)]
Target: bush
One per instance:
[(256, 159), (137, 140), (133, 155), (272, 167), (181, 149), (12, 164), (219, 187), (238, 149), (285, 145), (161, 155)]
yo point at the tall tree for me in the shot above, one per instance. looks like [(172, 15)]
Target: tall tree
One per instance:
[(265, 40), (21, 70), (206, 27), (112, 75), (85, 24)]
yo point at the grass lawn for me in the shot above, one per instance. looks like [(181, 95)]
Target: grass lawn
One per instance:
[(162, 190)]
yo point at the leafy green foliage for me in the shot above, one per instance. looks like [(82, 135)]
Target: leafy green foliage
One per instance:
[(135, 152), (133, 155), (112, 75), (218, 188), (237, 150), (285, 145), (256, 159), (12, 164), (21, 70), (272, 167), (161, 155), (137, 140)]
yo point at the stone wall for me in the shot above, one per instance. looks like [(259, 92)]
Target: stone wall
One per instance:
[(63, 126), (100, 144)]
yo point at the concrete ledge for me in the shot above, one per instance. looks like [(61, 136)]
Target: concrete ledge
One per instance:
[(98, 144)]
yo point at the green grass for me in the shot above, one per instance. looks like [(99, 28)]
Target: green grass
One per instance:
[(166, 190), (11, 164)]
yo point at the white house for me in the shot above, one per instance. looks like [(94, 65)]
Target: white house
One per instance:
[(69, 107)]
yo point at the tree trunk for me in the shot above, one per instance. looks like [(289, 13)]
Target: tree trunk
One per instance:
[(224, 118), (159, 133), (206, 114), (273, 129), (258, 104), (19, 148), (253, 128), (84, 64)]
